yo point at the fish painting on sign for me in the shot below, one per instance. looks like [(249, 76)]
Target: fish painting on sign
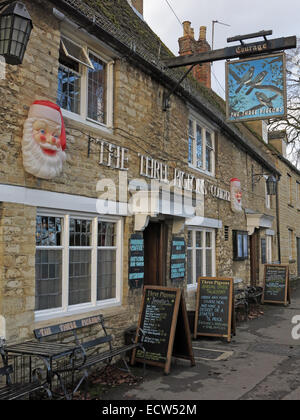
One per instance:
[(256, 88)]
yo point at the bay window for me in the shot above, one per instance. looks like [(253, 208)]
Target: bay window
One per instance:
[(78, 264)]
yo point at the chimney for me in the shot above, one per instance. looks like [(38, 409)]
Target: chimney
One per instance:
[(278, 139), (138, 5), (189, 46)]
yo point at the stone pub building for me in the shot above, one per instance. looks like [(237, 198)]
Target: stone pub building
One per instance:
[(125, 170)]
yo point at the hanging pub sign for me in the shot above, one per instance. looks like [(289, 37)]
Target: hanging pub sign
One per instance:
[(178, 258), (136, 261), (256, 88)]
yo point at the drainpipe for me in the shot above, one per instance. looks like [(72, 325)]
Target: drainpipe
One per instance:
[(278, 221)]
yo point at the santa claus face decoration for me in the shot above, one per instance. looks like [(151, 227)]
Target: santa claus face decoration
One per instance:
[(44, 140), (236, 195)]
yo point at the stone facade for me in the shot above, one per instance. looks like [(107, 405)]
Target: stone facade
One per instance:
[(142, 128)]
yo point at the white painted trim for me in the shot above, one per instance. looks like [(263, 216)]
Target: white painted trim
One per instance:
[(58, 201), (204, 222)]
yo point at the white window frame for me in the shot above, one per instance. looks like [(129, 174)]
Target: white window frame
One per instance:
[(204, 128), (82, 117), (65, 309), (193, 248)]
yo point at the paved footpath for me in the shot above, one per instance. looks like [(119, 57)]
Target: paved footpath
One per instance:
[(261, 363)]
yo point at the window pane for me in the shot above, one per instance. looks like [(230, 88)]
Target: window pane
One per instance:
[(80, 232), (240, 245), (199, 147), (106, 234), (208, 263), (198, 239), (199, 263), (68, 93), (190, 239), (106, 274), (48, 274), (208, 240), (245, 246), (190, 266), (191, 142), (97, 90), (48, 231), (79, 276)]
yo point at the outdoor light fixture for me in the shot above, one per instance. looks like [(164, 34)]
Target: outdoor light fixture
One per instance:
[(271, 185), (15, 29), (271, 182)]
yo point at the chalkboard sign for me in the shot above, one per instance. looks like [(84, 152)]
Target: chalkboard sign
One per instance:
[(276, 284), (136, 261), (164, 320), (214, 315), (178, 258)]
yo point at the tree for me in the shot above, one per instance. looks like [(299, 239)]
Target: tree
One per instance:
[(291, 124)]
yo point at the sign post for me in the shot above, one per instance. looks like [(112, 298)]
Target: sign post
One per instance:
[(164, 321), (276, 284), (214, 315)]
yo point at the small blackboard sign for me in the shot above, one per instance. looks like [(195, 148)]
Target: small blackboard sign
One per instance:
[(136, 261), (164, 320), (276, 284), (178, 259), (214, 315)]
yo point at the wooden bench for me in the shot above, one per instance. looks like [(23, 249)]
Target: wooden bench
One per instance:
[(14, 391), (88, 353)]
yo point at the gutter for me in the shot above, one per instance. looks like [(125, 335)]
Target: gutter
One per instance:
[(156, 70)]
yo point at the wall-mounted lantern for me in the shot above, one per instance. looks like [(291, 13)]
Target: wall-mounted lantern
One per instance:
[(15, 28), (271, 182)]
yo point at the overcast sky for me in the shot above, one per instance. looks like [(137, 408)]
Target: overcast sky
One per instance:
[(281, 16)]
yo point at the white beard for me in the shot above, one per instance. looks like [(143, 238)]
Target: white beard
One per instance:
[(35, 161)]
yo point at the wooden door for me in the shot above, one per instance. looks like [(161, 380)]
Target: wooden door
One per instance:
[(155, 254), (254, 258)]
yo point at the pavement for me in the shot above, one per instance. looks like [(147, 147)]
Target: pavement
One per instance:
[(262, 362)]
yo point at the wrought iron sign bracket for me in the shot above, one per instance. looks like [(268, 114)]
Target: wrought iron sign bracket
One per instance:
[(167, 95)]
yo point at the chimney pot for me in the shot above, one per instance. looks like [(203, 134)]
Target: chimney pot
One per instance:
[(186, 28), (202, 33)]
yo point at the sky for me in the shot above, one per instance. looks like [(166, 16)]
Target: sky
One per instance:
[(244, 17)]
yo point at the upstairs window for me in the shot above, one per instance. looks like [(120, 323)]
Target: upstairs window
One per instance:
[(240, 245), (201, 147), (85, 83)]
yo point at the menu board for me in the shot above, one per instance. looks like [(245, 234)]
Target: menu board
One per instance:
[(136, 261), (162, 310), (178, 258), (276, 284), (214, 307)]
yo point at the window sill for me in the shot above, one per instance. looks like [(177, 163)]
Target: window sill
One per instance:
[(202, 171), (77, 122), (75, 310)]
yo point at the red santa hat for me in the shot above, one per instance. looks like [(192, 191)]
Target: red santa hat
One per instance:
[(49, 111)]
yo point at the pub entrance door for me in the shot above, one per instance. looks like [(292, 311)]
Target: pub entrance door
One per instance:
[(254, 258), (155, 239)]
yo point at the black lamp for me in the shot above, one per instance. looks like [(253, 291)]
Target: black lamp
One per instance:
[(271, 185), (15, 28)]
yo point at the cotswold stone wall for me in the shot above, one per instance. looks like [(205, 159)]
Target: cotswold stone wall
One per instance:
[(141, 127)]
